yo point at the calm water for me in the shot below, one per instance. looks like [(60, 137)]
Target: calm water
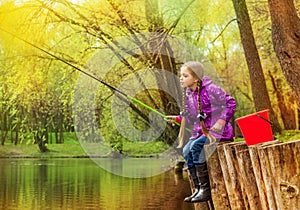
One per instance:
[(82, 184)]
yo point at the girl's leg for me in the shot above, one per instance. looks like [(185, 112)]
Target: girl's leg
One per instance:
[(203, 193), (187, 154), (197, 151)]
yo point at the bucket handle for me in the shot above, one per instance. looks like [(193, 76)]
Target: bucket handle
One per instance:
[(265, 119)]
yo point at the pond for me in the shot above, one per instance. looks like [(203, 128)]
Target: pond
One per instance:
[(81, 184)]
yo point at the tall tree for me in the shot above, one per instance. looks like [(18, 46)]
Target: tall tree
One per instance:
[(280, 93), (287, 110), (258, 83), (161, 55), (286, 41)]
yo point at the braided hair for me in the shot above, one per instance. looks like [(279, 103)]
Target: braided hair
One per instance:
[(183, 120), (201, 115)]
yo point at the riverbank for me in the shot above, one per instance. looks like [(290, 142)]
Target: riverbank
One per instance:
[(77, 150), (32, 151), (73, 149)]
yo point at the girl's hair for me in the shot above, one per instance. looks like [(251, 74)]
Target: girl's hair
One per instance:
[(204, 129), (197, 71), (182, 126)]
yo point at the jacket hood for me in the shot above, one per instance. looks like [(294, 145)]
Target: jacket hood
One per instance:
[(206, 81)]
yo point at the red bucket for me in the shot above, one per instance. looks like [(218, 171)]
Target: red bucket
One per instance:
[(256, 128)]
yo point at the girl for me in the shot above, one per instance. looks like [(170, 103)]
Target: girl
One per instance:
[(206, 107)]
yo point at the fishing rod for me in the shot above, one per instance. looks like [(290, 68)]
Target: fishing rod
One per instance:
[(90, 75)]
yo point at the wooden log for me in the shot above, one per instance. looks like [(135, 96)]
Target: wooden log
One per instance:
[(261, 177), (178, 168), (267, 177), (283, 166), (217, 184), (229, 166), (202, 206), (247, 179)]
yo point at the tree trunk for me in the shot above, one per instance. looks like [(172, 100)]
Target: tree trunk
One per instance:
[(39, 139), (160, 54), (161, 57), (287, 111), (286, 41), (3, 136), (4, 130), (258, 82), (17, 136)]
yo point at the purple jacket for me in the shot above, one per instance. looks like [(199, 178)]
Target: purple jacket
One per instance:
[(216, 104)]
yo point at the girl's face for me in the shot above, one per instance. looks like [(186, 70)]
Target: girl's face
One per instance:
[(187, 79)]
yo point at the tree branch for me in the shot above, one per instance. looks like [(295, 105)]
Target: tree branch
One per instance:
[(224, 29)]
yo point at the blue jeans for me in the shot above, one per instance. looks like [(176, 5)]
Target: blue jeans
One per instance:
[(193, 152)]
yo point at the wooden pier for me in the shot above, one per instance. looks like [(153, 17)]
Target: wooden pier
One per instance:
[(258, 177)]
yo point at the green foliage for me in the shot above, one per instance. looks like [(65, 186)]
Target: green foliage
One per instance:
[(73, 148), (285, 136), (37, 91), (144, 148), (288, 135)]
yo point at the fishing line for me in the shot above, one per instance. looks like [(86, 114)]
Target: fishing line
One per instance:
[(90, 75)]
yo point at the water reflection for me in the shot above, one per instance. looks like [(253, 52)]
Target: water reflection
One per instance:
[(81, 184)]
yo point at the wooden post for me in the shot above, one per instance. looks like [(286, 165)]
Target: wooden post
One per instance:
[(247, 179), (264, 176), (229, 164), (282, 163), (261, 176), (202, 205), (217, 184)]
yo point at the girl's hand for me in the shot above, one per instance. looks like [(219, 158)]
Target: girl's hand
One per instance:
[(171, 119), (218, 126)]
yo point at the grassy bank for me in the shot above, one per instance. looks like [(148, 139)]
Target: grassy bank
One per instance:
[(55, 150), (77, 150), (72, 148)]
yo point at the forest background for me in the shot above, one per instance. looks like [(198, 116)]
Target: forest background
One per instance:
[(42, 102)]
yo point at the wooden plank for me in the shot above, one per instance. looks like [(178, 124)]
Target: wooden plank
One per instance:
[(229, 164), (217, 184)]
